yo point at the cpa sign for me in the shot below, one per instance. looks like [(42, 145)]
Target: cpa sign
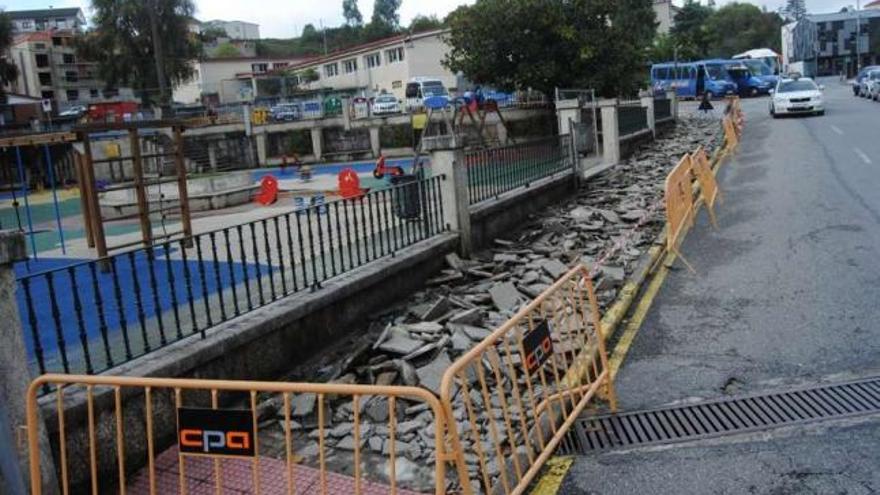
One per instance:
[(215, 432), (538, 346)]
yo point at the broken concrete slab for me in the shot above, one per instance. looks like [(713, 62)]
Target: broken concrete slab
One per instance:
[(468, 317), (436, 310), (554, 268), (505, 296), (430, 375), (400, 344)]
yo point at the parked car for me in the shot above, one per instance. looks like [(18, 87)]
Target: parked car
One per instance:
[(285, 112), (797, 96), (857, 82), (419, 89), (75, 111), (385, 104), (871, 84)]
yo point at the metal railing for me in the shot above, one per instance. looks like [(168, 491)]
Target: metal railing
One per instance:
[(662, 109), (91, 316), (632, 117), (494, 171)]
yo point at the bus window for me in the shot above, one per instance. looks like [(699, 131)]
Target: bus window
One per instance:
[(663, 73), (715, 72)]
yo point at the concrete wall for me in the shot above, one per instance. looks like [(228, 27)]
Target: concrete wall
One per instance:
[(497, 218)]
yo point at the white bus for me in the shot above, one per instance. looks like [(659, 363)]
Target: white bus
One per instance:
[(765, 55)]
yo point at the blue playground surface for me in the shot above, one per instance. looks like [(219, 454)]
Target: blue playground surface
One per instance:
[(128, 278)]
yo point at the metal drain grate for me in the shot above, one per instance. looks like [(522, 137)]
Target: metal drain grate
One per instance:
[(723, 417)]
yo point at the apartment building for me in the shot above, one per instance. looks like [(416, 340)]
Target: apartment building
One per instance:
[(29, 21), (235, 30), (833, 43)]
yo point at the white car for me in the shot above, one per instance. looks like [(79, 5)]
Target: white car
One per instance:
[(385, 105), (796, 96), (872, 84)]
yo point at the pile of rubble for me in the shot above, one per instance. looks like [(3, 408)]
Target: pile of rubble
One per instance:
[(613, 220)]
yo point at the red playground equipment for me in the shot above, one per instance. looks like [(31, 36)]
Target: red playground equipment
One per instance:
[(380, 170), (350, 184), (268, 191)]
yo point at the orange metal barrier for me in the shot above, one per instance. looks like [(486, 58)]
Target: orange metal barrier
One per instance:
[(709, 191), (679, 206), (519, 390), (223, 441), (731, 137)]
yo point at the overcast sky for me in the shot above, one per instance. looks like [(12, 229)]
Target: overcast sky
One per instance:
[(286, 18)]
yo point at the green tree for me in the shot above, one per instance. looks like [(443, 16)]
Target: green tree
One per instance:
[(122, 43), (351, 12), (385, 12), (211, 34), (737, 27), (8, 69), (664, 49), (558, 43), (795, 9), (226, 50), (689, 36), (421, 23)]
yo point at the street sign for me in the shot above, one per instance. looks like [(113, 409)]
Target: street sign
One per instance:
[(538, 346), (47, 105)]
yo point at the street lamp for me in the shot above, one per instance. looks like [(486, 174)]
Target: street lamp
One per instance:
[(858, 36)]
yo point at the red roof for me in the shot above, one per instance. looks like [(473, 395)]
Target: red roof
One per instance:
[(873, 5)]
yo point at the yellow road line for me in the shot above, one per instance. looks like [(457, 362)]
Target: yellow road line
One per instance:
[(554, 473), (638, 317)]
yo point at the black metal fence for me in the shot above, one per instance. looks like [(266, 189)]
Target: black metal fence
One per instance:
[(92, 316), (632, 117), (494, 171), (662, 109)]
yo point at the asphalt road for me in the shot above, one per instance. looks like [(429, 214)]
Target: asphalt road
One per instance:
[(787, 293)]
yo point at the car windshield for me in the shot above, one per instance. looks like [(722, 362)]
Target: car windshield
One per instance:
[(433, 89), (792, 86), (716, 72)]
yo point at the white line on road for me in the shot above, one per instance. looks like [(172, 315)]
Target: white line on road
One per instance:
[(862, 155), (837, 129)]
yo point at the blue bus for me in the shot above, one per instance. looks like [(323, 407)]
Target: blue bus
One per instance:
[(692, 79), (746, 83)]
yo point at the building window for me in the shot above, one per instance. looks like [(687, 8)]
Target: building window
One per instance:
[(45, 78), (39, 46), (331, 70), (93, 93), (71, 76), (26, 24), (350, 65), (68, 58), (42, 60), (47, 95), (259, 68), (279, 65), (72, 95), (56, 41), (394, 55), (372, 60), (396, 84)]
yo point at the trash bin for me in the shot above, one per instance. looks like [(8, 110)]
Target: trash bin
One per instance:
[(407, 196)]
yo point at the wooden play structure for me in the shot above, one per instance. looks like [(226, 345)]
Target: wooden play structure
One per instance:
[(154, 153)]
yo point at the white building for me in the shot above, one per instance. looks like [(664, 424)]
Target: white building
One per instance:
[(665, 12), (236, 30), (383, 65), (29, 21)]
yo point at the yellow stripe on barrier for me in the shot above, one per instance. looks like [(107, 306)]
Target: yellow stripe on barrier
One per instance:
[(554, 475)]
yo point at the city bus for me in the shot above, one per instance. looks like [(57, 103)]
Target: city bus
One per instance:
[(692, 79)]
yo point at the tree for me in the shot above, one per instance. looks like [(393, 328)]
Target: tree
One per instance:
[(558, 43), (421, 23), (738, 27), (226, 50), (123, 45), (689, 36), (664, 49), (795, 9), (385, 14), (8, 69), (352, 14)]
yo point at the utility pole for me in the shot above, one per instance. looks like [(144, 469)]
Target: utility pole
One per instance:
[(324, 34), (858, 36), (157, 52)]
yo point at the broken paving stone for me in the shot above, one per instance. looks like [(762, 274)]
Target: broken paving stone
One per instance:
[(535, 290), (407, 372), (430, 375), (614, 273), (436, 310), (386, 378), (554, 268), (505, 296), (505, 258), (609, 215), (476, 334), (461, 342), (445, 279), (304, 405), (400, 344), (468, 317), (425, 327), (580, 214), (455, 262), (376, 444), (382, 336), (376, 410)]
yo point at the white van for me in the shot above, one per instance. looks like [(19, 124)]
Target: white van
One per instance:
[(419, 88)]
